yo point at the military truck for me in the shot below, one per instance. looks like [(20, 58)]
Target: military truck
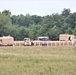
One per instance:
[(6, 41), (27, 42)]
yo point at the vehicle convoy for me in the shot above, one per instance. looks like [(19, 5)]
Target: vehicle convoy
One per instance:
[(64, 40)]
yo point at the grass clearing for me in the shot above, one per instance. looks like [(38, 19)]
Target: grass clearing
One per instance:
[(38, 60)]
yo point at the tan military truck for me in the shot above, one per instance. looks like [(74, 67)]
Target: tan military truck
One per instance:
[(6, 41), (27, 42)]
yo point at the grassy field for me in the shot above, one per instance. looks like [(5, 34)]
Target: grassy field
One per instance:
[(37, 60)]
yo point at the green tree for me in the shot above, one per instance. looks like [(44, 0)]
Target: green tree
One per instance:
[(14, 19), (36, 19), (74, 31), (6, 12), (33, 31), (54, 33), (66, 12), (69, 31), (5, 23), (22, 20), (23, 33), (71, 20), (21, 26)]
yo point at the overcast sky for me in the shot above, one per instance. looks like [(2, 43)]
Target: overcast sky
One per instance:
[(37, 7)]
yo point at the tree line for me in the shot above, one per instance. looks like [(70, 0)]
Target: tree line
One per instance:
[(33, 26)]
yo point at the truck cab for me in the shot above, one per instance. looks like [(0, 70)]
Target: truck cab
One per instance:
[(27, 42), (44, 38)]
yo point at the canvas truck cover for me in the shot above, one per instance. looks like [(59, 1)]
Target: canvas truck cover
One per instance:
[(66, 37), (7, 40)]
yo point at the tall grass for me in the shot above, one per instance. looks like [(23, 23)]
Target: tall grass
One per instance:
[(37, 60)]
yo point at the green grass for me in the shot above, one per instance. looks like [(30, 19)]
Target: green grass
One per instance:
[(38, 60)]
